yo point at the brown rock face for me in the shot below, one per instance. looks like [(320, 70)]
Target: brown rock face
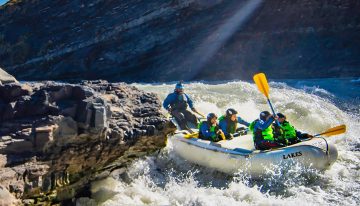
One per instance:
[(57, 137)]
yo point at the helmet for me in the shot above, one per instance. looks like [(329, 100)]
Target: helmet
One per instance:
[(179, 86), (280, 115), (210, 116), (264, 115), (230, 112)]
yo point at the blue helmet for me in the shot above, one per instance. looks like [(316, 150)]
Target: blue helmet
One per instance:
[(210, 116)]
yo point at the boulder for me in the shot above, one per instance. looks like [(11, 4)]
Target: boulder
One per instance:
[(19, 147), (59, 136), (6, 198), (43, 136), (13, 91), (66, 128)]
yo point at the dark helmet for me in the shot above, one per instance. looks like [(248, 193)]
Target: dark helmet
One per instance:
[(230, 112), (210, 116), (179, 85), (280, 115), (264, 115)]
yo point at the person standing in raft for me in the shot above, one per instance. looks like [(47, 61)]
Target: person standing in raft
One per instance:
[(289, 133), (210, 130), (263, 135), (228, 123), (176, 104)]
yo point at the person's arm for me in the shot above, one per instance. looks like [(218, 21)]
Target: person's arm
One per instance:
[(301, 135), (190, 102), (223, 126), (206, 132), (243, 122), (263, 125), (167, 101)]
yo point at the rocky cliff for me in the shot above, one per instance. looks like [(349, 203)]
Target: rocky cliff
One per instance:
[(55, 138), (179, 39)]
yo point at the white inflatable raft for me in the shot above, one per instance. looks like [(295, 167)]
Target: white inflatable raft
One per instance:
[(231, 156)]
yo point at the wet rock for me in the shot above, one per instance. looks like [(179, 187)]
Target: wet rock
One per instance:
[(6, 198), (66, 129), (11, 92), (43, 136), (19, 146), (59, 136)]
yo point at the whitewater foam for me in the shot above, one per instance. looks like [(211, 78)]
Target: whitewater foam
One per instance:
[(166, 179)]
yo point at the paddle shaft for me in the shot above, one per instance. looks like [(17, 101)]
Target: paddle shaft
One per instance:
[(202, 115), (273, 111), (333, 131)]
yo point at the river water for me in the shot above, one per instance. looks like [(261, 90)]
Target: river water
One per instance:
[(311, 105)]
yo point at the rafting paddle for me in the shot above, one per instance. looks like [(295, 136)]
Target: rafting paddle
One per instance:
[(199, 113), (333, 131), (263, 86)]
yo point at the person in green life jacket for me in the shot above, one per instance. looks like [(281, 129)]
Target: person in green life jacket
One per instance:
[(289, 133), (176, 104), (228, 123), (262, 129), (209, 129)]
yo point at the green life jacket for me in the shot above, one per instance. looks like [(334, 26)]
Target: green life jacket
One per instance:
[(259, 135), (289, 130), (212, 129), (230, 125)]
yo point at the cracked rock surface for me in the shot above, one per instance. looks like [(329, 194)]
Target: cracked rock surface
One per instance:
[(57, 137)]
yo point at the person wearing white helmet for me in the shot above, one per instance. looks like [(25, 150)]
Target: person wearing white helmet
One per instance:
[(228, 123)]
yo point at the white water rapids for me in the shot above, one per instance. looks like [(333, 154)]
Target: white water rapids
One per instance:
[(166, 179)]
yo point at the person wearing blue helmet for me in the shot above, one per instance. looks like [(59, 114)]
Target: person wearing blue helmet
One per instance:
[(177, 104), (210, 130)]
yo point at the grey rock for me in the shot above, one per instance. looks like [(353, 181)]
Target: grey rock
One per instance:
[(6, 198), (60, 136), (11, 92)]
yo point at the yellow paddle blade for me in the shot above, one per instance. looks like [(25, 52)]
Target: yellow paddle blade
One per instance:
[(334, 131), (192, 135), (222, 136), (261, 82)]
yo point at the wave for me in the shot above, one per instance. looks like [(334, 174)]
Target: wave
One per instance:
[(166, 179)]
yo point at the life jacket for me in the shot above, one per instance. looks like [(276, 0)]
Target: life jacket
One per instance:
[(259, 135), (289, 130), (211, 128), (180, 102), (230, 125)]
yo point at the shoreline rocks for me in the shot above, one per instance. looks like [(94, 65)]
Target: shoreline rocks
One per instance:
[(57, 137)]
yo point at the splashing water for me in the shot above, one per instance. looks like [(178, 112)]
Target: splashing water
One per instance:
[(166, 179)]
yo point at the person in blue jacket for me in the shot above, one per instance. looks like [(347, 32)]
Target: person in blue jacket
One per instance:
[(263, 133), (209, 129), (177, 103), (228, 123)]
